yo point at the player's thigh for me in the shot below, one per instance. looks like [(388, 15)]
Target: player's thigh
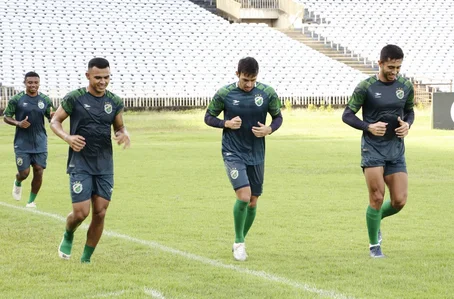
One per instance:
[(39, 159), (374, 180), (398, 187), (256, 174), (100, 205), (236, 172), (81, 187), (23, 161), (103, 186)]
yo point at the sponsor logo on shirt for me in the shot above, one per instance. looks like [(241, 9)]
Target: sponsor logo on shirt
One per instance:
[(258, 100), (108, 108), (86, 106), (378, 95), (41, 105), (25, 104), (236, 102), (400, 93)]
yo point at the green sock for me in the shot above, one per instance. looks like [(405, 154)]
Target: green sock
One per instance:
[(67, 242), (239, 217), (32, 197), (250, 216), (18, 184), (373, 219), (86, 255), (387, 209)]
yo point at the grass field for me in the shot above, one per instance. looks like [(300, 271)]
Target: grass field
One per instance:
[(169, 228)]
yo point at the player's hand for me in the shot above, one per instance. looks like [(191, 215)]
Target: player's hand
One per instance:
[(24, 124), (403, 128), (76, 142), (123, 138), (378, 129), (234, 123), (261, 130)]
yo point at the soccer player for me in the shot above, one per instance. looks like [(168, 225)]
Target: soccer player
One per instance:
[(30, 141), (245, 104), (387, 104), (92, 111)]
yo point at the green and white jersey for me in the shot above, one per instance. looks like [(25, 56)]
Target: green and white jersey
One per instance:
[(252, 107), (92, 117), (34, 138), (383, 101)]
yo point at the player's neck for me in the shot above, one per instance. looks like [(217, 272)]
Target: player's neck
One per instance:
[(31, 94), (383, 79), (95, 93)]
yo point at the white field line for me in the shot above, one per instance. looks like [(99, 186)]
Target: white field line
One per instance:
[(153, 293), (108, 295), (261, 274)]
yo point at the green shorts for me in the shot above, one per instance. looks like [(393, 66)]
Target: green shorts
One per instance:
[(24, 160), (83, 186), (242, 175)]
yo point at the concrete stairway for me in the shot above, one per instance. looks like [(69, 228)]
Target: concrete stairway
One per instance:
[(328, 51), (209, 5)]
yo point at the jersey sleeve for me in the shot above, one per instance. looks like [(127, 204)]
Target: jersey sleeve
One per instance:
[(50, 105), (410, 103), (216, 105), (119, 104), (68, 103), (11, 108), (358, 97), (274, 106)]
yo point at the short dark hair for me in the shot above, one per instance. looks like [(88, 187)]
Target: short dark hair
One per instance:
[(30, 74), (98, 62), (248, 66), (391, 52)]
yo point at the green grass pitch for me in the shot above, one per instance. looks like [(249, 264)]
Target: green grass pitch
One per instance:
[(169, 228)]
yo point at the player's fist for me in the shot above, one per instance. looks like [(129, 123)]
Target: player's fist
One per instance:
[(261, 130), (76, 142), (234, 123), (378, 128)]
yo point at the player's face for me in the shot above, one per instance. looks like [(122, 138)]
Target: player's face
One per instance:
[(389, 69), (246, 82), (32, 86), (98, 80)]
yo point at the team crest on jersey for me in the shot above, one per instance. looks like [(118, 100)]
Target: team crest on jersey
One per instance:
[(77, 187), (19, 161), (258, 100), (41, 105), (400, 93), (108, 108), (234, 173)]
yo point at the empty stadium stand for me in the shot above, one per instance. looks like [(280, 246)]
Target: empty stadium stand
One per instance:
[(424, 29), (157, 49)]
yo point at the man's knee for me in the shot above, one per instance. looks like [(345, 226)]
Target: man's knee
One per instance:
[(253, 202), (100, 214), (80, 216), (376, 196), (244, 194), (24, 174), (398, 202)]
